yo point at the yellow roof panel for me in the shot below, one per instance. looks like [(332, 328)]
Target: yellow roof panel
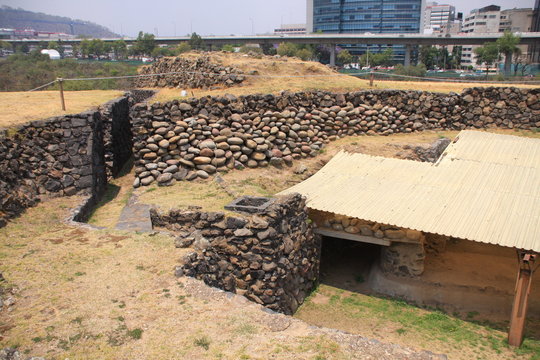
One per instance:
[(485, 187)]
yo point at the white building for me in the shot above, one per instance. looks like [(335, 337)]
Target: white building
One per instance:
[(483, 20), (437, 15), (291, 29), (491, 19)]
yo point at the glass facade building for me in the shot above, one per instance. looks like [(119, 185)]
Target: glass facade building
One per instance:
[(366, 16)]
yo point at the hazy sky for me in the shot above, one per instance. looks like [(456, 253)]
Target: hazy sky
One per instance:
[(219, 17)]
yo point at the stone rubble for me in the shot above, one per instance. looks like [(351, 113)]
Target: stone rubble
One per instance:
[(190, 73)]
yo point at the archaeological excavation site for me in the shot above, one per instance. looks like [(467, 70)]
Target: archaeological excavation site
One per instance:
[(376, 224)]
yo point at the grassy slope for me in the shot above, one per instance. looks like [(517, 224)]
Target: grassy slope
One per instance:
[(398, 322)]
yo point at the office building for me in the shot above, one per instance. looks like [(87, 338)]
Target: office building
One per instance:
[(535, 49), (437, 16), (291, 29), (366, 16), (491, 19)]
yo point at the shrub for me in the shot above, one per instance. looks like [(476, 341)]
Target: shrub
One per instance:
[(411, 70)]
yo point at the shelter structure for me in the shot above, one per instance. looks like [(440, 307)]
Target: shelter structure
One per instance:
[(485, 187)]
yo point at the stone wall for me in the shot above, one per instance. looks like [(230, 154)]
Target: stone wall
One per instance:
[(189, 72), (272, 258), (58, 156), (118, 138), (198, 137)]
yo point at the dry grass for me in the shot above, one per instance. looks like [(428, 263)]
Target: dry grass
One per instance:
[(333, 81), (21, 107), (87, 294)]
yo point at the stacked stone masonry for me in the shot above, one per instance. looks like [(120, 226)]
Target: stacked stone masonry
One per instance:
[(58, 156), (195, 138), (272, 258), (189, 72)]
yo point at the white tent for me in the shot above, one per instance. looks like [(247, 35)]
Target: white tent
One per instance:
[(53, 54)]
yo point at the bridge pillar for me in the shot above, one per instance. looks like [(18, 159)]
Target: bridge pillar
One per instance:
[(407, 55), (332, 55)]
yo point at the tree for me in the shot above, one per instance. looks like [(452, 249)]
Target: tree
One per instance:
[(487, 54), (227, 48), (5, 45), (377, 59), (507, 45), (182, 48), (196, 42), (85, 48), (119, 48), (268, 49), (144, 45), (287, 49), (305, 54), (429, 56), (344, 57)]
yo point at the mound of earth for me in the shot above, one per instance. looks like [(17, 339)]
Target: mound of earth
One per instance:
[(214, 70)]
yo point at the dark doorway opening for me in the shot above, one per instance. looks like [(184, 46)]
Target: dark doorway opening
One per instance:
[(346, 264)]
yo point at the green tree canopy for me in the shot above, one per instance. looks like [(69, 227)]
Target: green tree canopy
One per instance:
[(144, 45), (487, 55), (119, 48), (344, 57), (507, 45), (196, 42), (287, 49)]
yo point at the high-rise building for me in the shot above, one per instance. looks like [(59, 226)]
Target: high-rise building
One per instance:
[(535, 48), (437, 16), (366, 16)]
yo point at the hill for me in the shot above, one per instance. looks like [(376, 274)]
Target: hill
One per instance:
[(20, 19)]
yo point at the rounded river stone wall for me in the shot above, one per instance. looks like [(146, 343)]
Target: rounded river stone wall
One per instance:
[(195, 138)]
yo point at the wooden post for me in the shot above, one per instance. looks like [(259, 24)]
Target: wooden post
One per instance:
[(371, 77), (61, 84), (521, 298)]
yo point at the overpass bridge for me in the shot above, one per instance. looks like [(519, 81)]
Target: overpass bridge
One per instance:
[(331, 40)]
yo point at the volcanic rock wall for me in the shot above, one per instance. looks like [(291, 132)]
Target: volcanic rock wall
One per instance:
[(198, 137), (271, 258), (60, 156), (198, 72), (118, 139)]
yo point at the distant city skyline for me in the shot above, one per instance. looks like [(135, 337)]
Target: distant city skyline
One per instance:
[(180, 17)]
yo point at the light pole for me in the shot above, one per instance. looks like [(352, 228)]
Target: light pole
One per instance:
[(252, 26)]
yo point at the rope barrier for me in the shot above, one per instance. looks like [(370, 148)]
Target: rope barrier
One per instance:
[(42, 86), (288, 76)]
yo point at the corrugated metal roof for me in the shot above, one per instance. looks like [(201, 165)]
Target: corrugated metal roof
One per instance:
[(485, 187)]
